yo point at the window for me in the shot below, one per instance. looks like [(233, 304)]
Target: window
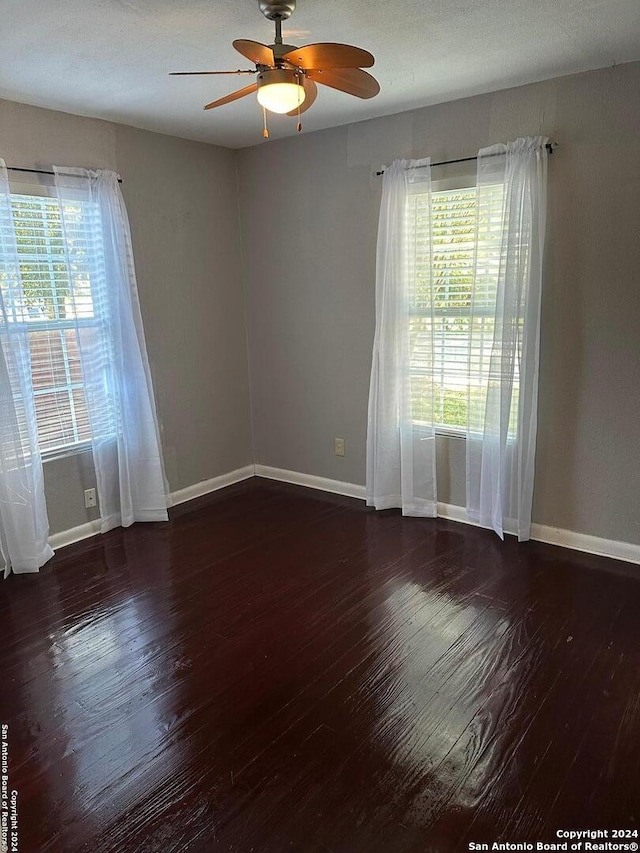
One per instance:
[(455, 371), (55, 308)]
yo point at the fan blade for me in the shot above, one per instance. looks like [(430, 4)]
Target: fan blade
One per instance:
[(233, 96), (329, 55), (353, 81), (253, 50), (311, 93), (193, 73)]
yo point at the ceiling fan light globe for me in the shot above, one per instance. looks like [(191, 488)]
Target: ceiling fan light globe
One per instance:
[(281, 97), (280, 90)]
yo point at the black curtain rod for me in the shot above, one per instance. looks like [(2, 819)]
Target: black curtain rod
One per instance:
[(37, 171), (549, 146)]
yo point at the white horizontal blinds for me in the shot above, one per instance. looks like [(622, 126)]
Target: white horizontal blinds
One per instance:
[(14, 363), (82, 228), (418, 475), (421, 319), (440, 322), (46, 310), (24, 526), (488, 354), (55, 304)]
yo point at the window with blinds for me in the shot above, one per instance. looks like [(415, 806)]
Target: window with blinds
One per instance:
[(53, 307), (455, 257), (445, 233)]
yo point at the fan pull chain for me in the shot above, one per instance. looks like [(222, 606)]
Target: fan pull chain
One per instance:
[(265, 129), (299, 127)]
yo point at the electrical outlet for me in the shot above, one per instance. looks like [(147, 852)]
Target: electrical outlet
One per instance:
[(339, 444), (89, 497)]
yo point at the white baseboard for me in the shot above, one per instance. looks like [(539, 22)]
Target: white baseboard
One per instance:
[(614, 548), (324, 484), (617, 550), (91, 528), (453, 512), (74, 534), (204, 487)]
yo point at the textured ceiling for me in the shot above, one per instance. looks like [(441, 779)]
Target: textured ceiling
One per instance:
[(110, 58)]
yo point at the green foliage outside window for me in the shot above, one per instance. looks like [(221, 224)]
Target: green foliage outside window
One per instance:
[(45, 280)]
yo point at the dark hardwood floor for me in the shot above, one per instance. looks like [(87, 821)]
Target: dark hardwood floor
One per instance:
[(278, 669)]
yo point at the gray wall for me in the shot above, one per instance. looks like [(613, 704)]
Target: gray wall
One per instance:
[(182, 202), (309, 210)]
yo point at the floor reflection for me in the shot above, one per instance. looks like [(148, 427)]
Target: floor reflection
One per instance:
[(114, 683), (448, 673)]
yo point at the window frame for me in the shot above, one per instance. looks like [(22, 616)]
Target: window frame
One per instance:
[(28, 187)]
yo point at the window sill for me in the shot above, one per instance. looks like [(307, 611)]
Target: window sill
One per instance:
[(62, 453), (451, 433)]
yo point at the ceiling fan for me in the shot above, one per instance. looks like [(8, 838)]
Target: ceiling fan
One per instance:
[(287, 75)]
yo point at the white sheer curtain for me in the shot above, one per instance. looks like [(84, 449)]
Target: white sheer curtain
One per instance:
[(401, 461), (125, 437), (24, 526), (505, 335)]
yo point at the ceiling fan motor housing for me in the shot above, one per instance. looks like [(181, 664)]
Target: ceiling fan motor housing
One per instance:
[(279, 75), (277, 10)]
